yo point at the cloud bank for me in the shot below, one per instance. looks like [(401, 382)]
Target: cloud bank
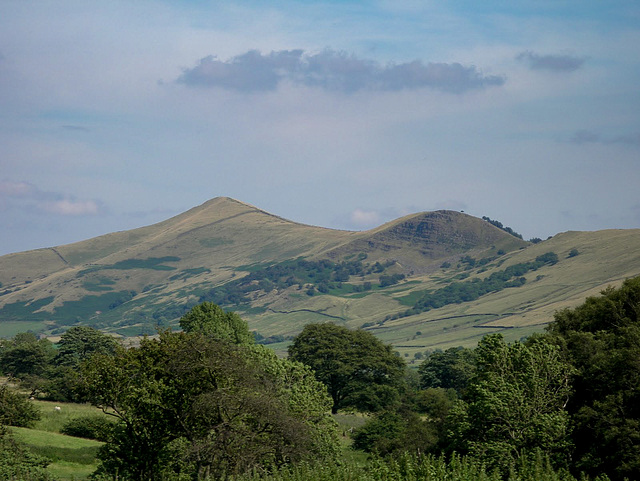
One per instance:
[(553, 63), (333, 71)]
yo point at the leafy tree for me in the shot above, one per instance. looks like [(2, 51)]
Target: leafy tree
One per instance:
[(358, 369), (451, 369), (195, 406), (514, 403), (80, 342), (16, 410), (25, 355), (210, 319), (393, 433), (601, 338)]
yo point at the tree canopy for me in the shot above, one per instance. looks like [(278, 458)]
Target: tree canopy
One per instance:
[(192, 405), (359, 370), (210, 319), (514, 403), (601, 338), (80, 342)]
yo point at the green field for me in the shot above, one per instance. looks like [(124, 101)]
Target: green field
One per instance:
[(71, 458)]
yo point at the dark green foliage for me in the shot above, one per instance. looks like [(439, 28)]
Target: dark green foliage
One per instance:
[(573, 253), (321, 276), (602, 339), (458, 292), (392, 433), (81, 342), (16, 409), (358, 369), (88, 305), (418, 467), (17, 463), (90, 427), (451, 369), (500, 226), (260, 339), (386, 281), (20, 310), (211, 320), (25, 355), (193, 406)]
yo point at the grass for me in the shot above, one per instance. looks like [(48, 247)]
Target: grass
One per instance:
[(243, 239), (11, 328), (52, 420), (71, 458)]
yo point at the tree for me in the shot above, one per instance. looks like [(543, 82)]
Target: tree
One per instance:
[(194, 406), (601, 338), (210, 319), (25, 355), (451, 369), (515, 403), (16, 410), (80, 342), (358, 369)]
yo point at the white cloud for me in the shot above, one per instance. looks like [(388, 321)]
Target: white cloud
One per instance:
[(26, 197), (70, 207), (15, 189), (365, 218)]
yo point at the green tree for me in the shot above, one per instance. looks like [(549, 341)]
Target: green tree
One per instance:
[(451, 369), (358, 369), (194, 406), (25, 355), (515, 403), (210, 319), (16, 410), (601, 338), (80, 342)]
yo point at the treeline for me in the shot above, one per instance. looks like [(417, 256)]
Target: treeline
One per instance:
[(314, 277), (499, 225), (571, 394), (467, 291)]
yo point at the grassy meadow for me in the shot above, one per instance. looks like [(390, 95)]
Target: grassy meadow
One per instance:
[(71, 458)]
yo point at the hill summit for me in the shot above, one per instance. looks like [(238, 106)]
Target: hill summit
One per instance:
[(413, 274)]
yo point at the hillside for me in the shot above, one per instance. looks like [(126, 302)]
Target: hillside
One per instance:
[(424, 281)]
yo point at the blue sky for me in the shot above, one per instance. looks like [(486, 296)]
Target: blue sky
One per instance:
[(115, 115)]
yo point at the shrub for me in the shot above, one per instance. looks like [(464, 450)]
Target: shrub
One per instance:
[(16, 410), (89, 427)]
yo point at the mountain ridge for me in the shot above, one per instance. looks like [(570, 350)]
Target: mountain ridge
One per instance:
[(280, 274)]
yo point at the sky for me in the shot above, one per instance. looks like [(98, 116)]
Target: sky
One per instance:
[(341, 114)]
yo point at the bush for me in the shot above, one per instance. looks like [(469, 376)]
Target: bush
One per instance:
[(17, 462), (16, 410), (89, 427)]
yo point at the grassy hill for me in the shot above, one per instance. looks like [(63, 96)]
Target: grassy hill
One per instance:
[(424, 281)]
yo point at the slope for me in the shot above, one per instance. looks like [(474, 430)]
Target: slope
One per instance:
[(424, 281)]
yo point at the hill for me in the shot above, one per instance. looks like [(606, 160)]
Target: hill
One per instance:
[(424, 281)]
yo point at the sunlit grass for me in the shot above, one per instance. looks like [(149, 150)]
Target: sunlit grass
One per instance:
[(71, 458), (53, 420)]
